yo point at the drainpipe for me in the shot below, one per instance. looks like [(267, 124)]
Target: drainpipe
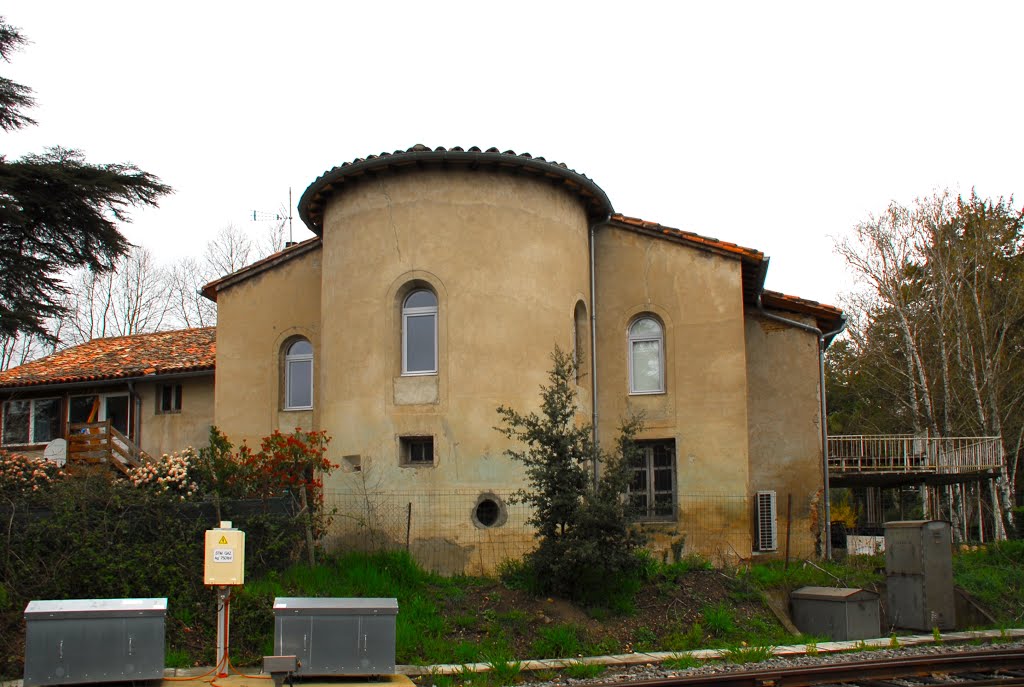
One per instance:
[(593, 346), (822, 336)]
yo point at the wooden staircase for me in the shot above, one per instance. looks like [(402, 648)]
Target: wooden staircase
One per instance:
[(91, 443)]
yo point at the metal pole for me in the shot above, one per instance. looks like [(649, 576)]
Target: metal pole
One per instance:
[(223, 598)]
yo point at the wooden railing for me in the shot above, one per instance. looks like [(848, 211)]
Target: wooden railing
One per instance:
[(100, 442), (867, 453)]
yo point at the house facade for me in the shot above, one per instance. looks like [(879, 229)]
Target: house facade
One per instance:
[(152, 392), (435, 290)]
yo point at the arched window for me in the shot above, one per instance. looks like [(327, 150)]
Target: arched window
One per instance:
[(419, 333), (646, 357), (298, 375)]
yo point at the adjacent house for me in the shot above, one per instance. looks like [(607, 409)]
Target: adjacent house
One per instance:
[(113, 398), (436, 287)]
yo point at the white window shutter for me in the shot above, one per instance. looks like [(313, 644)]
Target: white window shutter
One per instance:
[(766, 535)]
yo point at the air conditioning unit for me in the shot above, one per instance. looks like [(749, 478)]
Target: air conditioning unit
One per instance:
[(766, 535)]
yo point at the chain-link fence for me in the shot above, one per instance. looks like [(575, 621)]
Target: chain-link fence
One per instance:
[(472, 532)]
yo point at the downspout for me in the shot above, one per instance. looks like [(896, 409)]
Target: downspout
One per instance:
[(822, 337), (593, 346)]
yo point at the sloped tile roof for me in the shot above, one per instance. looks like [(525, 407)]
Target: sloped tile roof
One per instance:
[(828, 317), (753, 262), (268, 263), (120, 357)]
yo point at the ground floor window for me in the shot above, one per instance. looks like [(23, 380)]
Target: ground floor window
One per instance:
[(31, 421), (652, 489), (417, 450)]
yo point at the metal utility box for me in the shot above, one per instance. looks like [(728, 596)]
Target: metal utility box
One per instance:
[(919, 574), (225, 556), (337, 636), (837, 613), (94, 640)]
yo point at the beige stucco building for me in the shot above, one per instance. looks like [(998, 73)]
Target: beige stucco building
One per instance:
[(436, 288)]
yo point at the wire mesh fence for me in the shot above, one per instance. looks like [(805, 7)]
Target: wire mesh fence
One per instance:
[(473, 532)]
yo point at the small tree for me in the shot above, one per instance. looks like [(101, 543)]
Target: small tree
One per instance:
[(587, 549)]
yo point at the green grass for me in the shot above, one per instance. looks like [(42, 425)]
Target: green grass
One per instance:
[(682, 661), (504, 671), (995, 576), (583, 671), (748, 654), (558, 641), (177, 658), (855, 571), (719, 620)]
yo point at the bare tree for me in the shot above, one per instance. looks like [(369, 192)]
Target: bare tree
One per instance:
[(948, 276), (130, 299)]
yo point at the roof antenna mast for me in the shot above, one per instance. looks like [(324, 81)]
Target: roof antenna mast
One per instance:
[(279, 216)]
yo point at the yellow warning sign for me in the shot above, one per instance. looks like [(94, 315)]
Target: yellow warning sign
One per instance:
[(223, 540)]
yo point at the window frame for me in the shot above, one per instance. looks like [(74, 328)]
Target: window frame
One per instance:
[(632, 339), (176, 394), (30, 435), (418, 311), (289, 359), (406, 445), (646, 448)]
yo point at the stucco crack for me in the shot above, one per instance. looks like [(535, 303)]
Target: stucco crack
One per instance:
[(391, 216)]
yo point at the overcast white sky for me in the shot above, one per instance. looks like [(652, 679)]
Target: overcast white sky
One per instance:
[(772, 125)]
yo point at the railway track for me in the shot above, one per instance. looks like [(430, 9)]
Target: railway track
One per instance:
[(969, 668)]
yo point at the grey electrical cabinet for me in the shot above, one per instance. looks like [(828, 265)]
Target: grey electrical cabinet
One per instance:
[(94, 640), (837, 613), (337, 636), (919, 574)]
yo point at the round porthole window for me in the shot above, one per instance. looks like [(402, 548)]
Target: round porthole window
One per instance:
[(489, 511)]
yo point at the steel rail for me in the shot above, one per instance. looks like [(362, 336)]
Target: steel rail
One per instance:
[(854, 671)]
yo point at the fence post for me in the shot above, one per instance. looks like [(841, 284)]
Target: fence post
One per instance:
[(408, 524)]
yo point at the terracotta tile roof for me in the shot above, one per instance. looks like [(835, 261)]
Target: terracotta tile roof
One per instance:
[(690, 237), (120, 357), (267, 263), (333, 181), (828, 317), (753, 262)]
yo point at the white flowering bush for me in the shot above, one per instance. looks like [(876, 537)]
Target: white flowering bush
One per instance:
[(170, 474), (21, 474)]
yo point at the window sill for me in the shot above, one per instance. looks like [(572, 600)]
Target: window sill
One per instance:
[(416, 465), (420, 374), (168, 412), (296, 409), (26, 447), (647, 393)]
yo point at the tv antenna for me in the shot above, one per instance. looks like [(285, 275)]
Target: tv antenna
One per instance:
[(279, 216)]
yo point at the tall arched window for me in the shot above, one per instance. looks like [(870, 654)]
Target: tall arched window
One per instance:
[(419, 333), (298, 375), (646, 357)]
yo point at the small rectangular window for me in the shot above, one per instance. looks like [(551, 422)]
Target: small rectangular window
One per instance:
[(417, 450), (765, 536), (169, 399)]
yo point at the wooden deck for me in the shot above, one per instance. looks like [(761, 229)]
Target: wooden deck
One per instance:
[(101, 443), (903, 459)]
